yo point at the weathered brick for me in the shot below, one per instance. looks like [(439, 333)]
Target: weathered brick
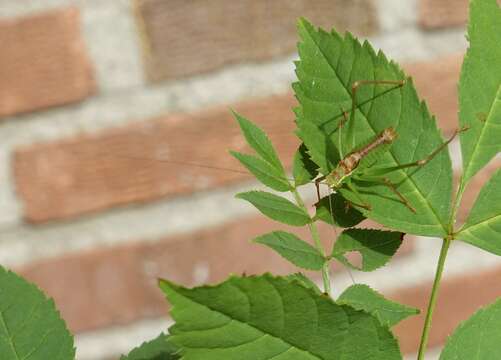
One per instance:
[(436, 82), (458, 299), (190, 37), (89, 173), (117, 285), (43, 62), (435, 14)]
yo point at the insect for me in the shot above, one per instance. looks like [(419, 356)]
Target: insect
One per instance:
[(361, 163), (350, 166), (160, 163)]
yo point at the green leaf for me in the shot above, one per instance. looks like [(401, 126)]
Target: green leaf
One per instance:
[(263, 171), (30, 326), (375, 246), (478, 338), (305, 281), (335, 210), (258, 140), (276, 207), (304, 169), (329, 65), (483, 224), (292, 248), (480, 88), (266, 317), (156, 349), (388, 312)]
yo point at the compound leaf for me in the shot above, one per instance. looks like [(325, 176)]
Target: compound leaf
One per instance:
[(156, 349), (478, 338), (266, 317), (388, 312), (276, 207), (263, 171), (375, 246), (480, 88), (329, 65), (30, 326), (483, 224), (292, 248)]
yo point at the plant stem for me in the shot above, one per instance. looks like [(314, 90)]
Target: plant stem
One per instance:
[(433, 299), (318, 244)]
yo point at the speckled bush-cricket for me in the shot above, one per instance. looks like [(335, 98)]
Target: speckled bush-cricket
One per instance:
[(360, 164)]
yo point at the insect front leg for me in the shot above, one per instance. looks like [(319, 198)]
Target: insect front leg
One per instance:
[(318, 181)]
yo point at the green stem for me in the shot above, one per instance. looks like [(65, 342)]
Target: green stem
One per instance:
[(318, 244), (433, 299)]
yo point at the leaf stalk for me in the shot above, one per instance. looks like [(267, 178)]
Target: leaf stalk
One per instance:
[(433, 298)]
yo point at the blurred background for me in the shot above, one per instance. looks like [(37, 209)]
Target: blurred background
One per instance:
[(114, 132)]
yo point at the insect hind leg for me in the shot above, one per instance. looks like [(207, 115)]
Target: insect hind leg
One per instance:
[(359, 83), (354, 89), (393, 188), (387, 182)]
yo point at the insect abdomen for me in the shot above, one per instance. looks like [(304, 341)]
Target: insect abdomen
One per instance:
[(346, 166)]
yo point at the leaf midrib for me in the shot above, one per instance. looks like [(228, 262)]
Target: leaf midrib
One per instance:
[(247, 324), (480, 223), (7, 331), (482, 133), (444, 227), (308, 251)]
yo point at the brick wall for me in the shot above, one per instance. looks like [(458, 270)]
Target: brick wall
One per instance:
[(114, 130)]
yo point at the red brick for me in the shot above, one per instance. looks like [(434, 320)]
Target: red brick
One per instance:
[(436, 82), (458, 299), (189, 37), (43, 62), (94, 172), (117, 285), (435, 14)]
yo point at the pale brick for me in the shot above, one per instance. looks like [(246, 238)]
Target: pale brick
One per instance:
[(435, 14), (189, 37)]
